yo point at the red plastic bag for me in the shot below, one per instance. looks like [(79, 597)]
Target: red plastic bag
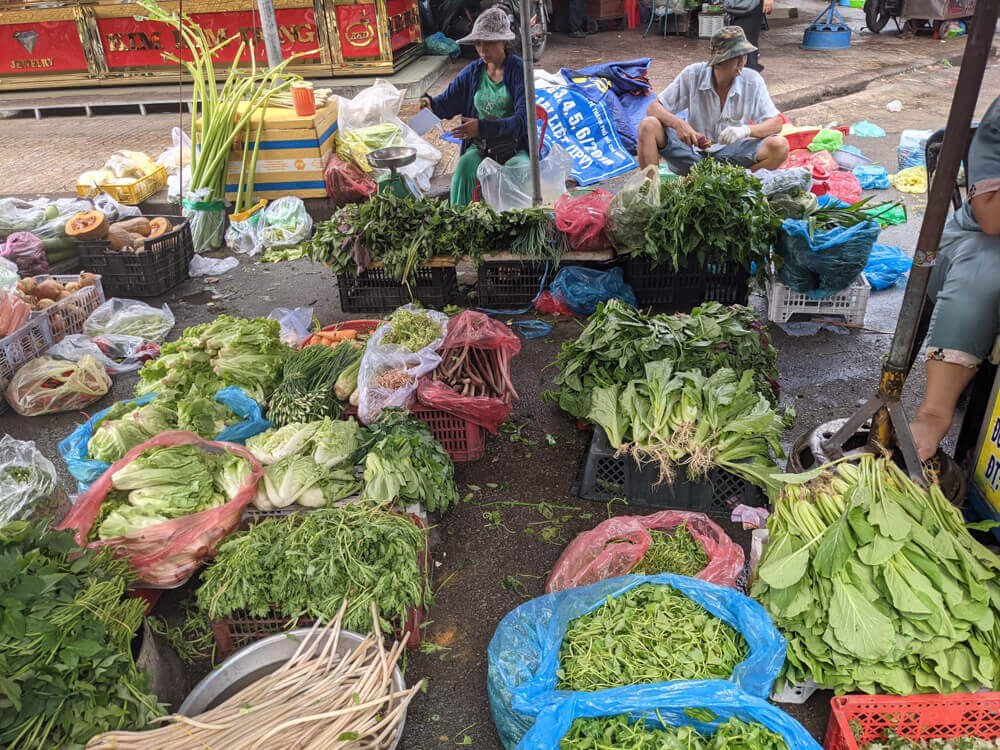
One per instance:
[(345, 183), (844, 185), (613, 547), (546, 303), (583, 218), (803, 157), (165, 554), (495, 345), (27, 251)]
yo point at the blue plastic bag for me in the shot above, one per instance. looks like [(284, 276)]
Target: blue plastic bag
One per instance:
[(523, 655), (910, 152), (872, 177), (829, 261), (582, 289), (438, 44), (86, 470), (867, 129), (666, 702), (886, 265)]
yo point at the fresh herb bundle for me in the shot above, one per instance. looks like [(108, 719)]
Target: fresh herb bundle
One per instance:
[(608, 732), (651, 633), (306, 391), (675, 552)]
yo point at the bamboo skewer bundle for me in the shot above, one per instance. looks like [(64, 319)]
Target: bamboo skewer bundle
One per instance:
[(316, 700)]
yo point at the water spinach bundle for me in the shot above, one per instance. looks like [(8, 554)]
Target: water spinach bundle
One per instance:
[(675, 551), (611, 732)]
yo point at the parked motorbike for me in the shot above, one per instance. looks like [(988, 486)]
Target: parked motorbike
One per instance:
[(538, 27), (916, 14)]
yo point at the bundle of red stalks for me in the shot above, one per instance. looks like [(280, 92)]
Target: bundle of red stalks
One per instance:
[(476, 372)]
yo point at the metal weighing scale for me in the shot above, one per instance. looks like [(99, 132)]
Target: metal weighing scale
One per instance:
[(393, 158)]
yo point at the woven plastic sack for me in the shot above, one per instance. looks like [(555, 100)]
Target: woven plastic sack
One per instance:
[(118, 354), (473, 330), (27, 252), (345, 183), (166, 554), (666, 703), (26, 478), (845, 186), (827, 140), (613, 547), (583, 218), (886, 265), (910, 152), (583, 289), (86, 470), (829, 261), (129, 317), (872, 177), (631, 210), (32, 392), (523, 654)]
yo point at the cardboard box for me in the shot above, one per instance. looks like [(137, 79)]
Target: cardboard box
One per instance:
[(291, 156)]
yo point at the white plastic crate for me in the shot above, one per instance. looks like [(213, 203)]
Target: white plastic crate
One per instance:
[(709, 23), (783, 302), (26, 343), (796, 694), (67, 316)]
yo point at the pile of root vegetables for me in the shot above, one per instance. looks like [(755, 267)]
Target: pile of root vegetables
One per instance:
[(470, 371)]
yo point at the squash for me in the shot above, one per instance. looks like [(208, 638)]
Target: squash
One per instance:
[(159, 226), (135, 225), (87, 225)]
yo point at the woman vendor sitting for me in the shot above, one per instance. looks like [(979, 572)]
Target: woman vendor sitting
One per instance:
[(489, 95), (965, 287)]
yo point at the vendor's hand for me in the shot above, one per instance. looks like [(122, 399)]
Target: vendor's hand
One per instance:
[(734, 133), (687, 134), (425, 102), (468, 129), (768, 6)]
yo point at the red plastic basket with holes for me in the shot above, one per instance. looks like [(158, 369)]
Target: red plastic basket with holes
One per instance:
[(856, 720), (802, 138)]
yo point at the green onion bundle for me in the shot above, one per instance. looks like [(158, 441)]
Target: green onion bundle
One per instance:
[(307, 391)]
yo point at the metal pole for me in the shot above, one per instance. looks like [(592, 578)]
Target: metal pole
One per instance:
[(529, 102), (269, 27)]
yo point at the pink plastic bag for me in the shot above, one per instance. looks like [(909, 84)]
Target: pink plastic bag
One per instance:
[(844, 185), (165, 554), (583, 218), (546, 303), (27, 251), (803, 157), (613, 547)]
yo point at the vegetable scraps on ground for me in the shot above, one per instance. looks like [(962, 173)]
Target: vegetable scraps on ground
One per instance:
[(676, 551), (648, 634), (308, 388), (66, 642), (307, 565), (620, 731), (878, 586)]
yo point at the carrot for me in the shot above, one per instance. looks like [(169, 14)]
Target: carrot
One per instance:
[(347, 334)]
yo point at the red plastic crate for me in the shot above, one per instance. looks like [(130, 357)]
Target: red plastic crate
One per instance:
[(464, 440), (857, 720), (802, 138)]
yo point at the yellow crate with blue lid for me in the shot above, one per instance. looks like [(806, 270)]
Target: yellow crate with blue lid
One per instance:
[(130, 177)]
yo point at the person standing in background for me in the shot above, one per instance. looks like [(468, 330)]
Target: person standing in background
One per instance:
[(749, 16), (578, 18)]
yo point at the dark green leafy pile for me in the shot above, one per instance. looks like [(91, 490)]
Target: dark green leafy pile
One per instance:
[(619, 340), (716, 215), (651, 633), (672, 552), (305, 565), (306, 391), (619, 733), (66, 668), (406, 464)]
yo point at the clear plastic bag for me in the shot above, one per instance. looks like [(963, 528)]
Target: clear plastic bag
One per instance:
[(668, 703), (294, 324), (523, 654), (207, 217), (166, 554), (613, 547), (49, 386), (910, 152), (129, 317), (632, 208), (114, 210), (9, 274), (118, 354), (283, 223), (202, 265), (379, 358), (509, 186), (783, 180), (177, 154), (583, 218), (243, 236), (27, 479), (43, 218), (353, 146)]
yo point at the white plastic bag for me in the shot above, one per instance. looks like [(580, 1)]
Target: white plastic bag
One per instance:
[(911, 148), (129, 317), (129, 352), (509, 186), (172, 158), (380, 357), (114, 210), (27, 478), (244, 236), (202, 265), (8, 273), (380, 103), (294, 323)]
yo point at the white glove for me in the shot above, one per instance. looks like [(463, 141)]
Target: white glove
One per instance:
[(734, 133)]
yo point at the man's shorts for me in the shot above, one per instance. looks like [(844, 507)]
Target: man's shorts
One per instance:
[(680, 157)]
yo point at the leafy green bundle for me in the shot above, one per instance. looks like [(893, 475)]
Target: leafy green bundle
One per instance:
[(878, 586), (66, 668), (406, 464), (675, 552), (210, 356), (619, 341), (716, 215), (651, 633), (412, 330), (607, 732), (305, 565), (306, 391)]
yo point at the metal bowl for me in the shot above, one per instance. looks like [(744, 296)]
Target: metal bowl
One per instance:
[(262, 658), (392, 157)]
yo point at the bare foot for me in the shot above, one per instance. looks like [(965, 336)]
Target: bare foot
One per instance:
[(928, 431)]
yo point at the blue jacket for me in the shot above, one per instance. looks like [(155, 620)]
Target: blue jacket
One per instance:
[(459, 99)]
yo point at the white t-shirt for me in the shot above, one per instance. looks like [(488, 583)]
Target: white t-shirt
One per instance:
[(692, 90)]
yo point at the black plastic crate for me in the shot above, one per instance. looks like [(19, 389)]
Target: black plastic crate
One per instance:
[(162, 266), (604, 477), (374, 290), (686, 288), (516, 283)]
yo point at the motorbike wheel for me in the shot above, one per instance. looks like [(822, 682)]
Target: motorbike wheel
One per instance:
[(539, 30), (876, 15)]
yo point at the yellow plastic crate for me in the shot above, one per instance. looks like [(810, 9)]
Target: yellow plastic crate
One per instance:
[(132, 194)]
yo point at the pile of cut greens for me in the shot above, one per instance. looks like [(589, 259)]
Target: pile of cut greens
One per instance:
[(65, 645), (651, 633), (878, 586), (311, 463), (412, 330), (308, 388), (895, 742), (619, 731), (676, 551), (306, 565)]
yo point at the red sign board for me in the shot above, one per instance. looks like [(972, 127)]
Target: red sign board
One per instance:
[(40, 47), (404, 22), (357, 26), (138, 43)]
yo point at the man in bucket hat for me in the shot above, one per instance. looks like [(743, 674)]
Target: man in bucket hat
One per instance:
[(722, 99)]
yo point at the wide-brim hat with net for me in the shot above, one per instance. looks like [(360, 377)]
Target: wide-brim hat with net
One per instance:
[(492, 25), (727, 43)]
